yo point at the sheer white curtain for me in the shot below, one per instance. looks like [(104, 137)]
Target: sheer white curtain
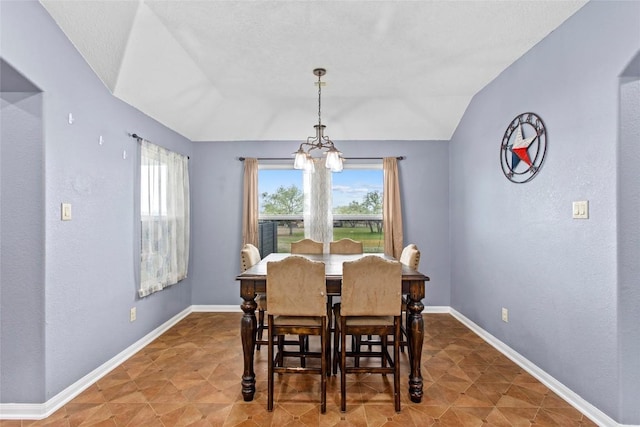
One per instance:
[(318, 219), (164, 211)]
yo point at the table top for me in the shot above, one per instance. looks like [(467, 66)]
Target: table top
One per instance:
[(333, 266)]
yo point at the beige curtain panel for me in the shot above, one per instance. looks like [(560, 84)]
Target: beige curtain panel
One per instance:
[(250, 202), (391, 209)]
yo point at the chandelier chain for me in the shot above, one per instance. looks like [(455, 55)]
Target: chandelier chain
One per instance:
[(319, 98)]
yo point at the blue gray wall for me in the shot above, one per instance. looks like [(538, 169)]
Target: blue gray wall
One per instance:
[(516, 246), (217, 210), (74, 282)]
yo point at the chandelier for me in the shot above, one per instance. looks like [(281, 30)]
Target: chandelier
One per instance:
[(303, 159)]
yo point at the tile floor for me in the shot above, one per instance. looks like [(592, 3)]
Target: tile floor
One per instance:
[(190, 376)]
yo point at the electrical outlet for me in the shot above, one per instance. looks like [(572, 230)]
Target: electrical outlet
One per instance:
[(505, 315), (132, 314)]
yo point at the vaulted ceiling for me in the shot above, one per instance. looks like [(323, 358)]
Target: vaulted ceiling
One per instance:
[(242, 70)]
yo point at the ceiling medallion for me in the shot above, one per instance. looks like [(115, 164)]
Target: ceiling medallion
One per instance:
[(523, 148)]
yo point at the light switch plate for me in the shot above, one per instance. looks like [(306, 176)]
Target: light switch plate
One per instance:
[(65, 211), (581, 209)]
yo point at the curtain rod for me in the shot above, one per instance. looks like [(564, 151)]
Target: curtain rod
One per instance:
[(135, 136), (140, 139), (346, 158)]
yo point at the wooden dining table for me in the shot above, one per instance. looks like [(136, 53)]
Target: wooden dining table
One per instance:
[(254, 280)]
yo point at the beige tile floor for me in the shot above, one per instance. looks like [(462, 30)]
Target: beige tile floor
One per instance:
[(190, 376)]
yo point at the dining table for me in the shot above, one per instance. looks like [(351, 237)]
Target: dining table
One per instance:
[(254, 281)]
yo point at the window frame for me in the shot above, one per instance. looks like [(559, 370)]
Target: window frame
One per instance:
[(351, 165)]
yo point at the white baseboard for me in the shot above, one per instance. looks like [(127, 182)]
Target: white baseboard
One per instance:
[(436, 309), (216, 308), (29, 411)]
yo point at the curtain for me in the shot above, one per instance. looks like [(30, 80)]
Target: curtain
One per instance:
[(318, 219), (391, 209), (164, 211), (250, 203)]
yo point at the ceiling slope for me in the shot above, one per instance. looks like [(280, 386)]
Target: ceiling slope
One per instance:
[(242, 70)]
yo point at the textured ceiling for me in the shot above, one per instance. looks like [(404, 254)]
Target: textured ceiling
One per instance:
[(242, 70)]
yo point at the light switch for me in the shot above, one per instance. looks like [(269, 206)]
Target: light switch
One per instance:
[(66, 211), (581, 209)]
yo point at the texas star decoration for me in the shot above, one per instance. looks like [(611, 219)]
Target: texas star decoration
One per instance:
[(520, 148), (517, 149)]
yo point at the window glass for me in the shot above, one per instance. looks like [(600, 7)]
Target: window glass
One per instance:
[(356, 206), (153, 190)]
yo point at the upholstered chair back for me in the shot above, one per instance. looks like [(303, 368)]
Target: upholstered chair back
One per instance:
[(410, 256), (249, 256), (371, 286), (345, 246), (296, 286), (306, 246)]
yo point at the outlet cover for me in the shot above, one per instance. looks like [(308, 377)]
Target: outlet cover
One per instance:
[(505, 315)]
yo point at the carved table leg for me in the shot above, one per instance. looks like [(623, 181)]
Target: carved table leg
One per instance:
[(415, 332), (248, 334)]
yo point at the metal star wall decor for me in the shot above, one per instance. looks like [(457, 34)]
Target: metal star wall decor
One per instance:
[(523, 148)]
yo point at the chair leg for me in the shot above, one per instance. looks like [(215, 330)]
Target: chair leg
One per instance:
[(280, 355), (403, 332), (330, 329), (303, 349), (383, 352), (260, 328), (343, 364), (336, 350), (270, 358), (396, 366), (324, 365)]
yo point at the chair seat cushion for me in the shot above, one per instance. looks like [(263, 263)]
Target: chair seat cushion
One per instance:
[(363, 320), (370, 321), (297, 321)]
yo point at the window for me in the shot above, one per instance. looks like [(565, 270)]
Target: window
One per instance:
[(356, 206), (164, 218)]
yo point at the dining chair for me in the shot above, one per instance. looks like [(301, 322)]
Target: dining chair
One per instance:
[(370, 305), (297, 305), (410, 256), (345, 246), (249, 256), (307, 246)]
